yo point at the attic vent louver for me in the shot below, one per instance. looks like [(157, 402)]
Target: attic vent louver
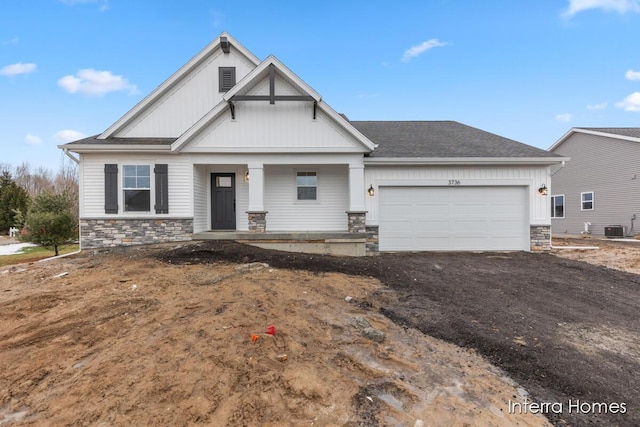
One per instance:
[(225, 45)]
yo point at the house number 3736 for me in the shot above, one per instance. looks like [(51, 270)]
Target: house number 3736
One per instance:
[(454, 182)]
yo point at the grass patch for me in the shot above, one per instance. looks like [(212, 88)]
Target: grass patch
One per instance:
[(35, 253)]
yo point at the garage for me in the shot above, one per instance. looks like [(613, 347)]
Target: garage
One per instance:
[(453, 218)]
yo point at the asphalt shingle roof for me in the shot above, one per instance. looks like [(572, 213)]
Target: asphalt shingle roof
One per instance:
[(441, 139), (123, 141)]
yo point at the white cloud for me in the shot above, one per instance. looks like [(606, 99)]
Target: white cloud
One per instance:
[(14, 41), (600, 106), (563, 118), (620, 6), (95, 82), (68, 135), (104, 4), (632, 75), (32, 139), (19, 68), (421, 48), (630, 103)]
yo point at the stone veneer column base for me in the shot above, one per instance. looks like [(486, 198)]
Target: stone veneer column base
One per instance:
[(357, 221), (373, 240), (257, 221), (540, 237), (102, 233)]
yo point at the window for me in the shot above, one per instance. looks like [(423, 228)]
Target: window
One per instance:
[(557, 206), (137, 188), (307, 184), (227, 78), (586, 201)]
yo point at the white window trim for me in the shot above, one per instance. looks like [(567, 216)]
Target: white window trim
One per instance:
[(564, 205), (593, 201), (152, 193), (295, 186)]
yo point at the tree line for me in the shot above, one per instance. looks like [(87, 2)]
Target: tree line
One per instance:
[(41, 203)]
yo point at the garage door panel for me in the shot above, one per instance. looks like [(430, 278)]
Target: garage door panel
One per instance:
[(453, 218)]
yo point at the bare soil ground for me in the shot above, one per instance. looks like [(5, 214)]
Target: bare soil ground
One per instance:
[(163, 336)]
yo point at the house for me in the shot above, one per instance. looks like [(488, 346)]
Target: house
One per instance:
[(598, 191), (233, 147)]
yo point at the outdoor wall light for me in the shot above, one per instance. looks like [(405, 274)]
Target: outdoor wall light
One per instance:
[(246, 176), (371, 191), (543, 190)]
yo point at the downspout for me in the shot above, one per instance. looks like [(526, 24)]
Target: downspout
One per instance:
[(561, 166), (66, 152)]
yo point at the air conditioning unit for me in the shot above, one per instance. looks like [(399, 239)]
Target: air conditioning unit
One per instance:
[(613, 231)]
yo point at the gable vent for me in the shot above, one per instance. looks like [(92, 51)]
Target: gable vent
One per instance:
[(227, 76)]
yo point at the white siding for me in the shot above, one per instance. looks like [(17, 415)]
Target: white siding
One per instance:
[(200, 190), (286, 126), (610, 168), (286, 213), (531, 177), (188, 101), (92, 183)]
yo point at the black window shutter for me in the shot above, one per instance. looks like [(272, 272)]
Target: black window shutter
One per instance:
[(227, 77), (162, 188), (111, 188)]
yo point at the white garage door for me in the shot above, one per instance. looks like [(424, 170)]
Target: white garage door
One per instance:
[(453, 218)]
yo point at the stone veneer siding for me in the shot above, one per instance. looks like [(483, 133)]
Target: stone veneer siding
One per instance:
[(257, 222), (540, 237), (373, 240), (357, 221), (101, 233)]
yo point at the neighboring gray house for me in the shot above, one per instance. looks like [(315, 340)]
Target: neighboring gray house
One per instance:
[(234, 147), (600, 186)]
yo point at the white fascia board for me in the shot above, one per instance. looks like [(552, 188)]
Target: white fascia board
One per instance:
[(261, 70), (419, 161), (199, 126), (368, 144), (591, 132), (175, 78), (275, 150), (117, 148)]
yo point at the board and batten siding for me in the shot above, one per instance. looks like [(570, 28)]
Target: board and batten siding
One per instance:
[(287, 126), (187, 101), (609, 167), (530, 176), (286, 213), (180, 184)]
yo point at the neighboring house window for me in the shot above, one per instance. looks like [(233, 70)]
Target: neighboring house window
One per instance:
[(137, 188), (586, 201), (307, 185), (227, 77), (557, 206)]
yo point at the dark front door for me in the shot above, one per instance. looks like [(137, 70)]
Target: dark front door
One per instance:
[(223, 201)]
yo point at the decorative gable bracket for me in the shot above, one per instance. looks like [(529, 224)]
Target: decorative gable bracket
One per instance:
[(272, 97)]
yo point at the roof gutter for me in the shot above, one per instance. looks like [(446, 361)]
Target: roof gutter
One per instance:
[(443, 161), (110, 148)]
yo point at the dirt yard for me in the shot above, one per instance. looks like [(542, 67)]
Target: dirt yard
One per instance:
[(172, 335)]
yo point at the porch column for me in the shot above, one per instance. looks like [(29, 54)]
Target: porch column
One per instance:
[(356, 187), (256, 187), (356, 215), (257, 214)]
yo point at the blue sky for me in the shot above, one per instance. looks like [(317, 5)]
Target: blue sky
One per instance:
[(526, 70)]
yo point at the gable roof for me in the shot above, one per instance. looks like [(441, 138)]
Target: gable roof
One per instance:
[(249, 81), (443, 139), (175, 78), (629, 134)]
